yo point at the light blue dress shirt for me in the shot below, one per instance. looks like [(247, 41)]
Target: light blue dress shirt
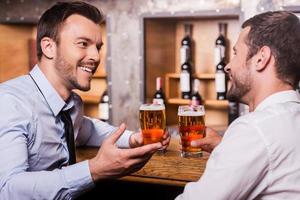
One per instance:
[(33, 149)]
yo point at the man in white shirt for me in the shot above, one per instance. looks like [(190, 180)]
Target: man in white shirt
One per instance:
[(259, 155)]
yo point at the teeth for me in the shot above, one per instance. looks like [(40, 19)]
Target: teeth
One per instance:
[(86, 69)]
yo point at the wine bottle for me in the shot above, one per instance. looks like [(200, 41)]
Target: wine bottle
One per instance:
[(221, 44), (185, 80), (221, 80), (159, 96), (196, 98), (104, 107), (186, 44), (233, 111)]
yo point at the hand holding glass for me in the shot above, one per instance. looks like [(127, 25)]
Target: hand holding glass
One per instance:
[(191, 127), (153, 122)]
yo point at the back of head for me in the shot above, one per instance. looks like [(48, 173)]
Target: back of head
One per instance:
[(51, 21), (279, 30)]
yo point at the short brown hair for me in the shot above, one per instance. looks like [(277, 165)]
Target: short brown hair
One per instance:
[(50, 22), (279, 30)]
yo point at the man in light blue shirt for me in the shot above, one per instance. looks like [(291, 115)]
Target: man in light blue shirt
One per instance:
[(33, 149)]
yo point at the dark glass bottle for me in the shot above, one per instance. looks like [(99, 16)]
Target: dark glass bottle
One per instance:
[(159, 96), (104, 107), (221, 80), (233, 111), (185, 80), (186, 44), (196, 98), (221, 44)]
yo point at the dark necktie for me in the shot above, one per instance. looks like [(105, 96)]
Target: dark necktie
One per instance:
[(69, 134)]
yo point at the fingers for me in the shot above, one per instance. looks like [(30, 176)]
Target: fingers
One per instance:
[(137, 163), (210, 132), (139, 139), (166, 135), (199, 143), (166, 141), (136, 139), (143, 150), (117, 134)]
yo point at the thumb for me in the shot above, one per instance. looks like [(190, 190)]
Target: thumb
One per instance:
[(200, 142), (117, 134)]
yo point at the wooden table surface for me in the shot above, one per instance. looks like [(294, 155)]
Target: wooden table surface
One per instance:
[(167, 169)]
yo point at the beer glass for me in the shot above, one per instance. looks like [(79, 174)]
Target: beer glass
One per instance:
[(191, 127), (153, 122)]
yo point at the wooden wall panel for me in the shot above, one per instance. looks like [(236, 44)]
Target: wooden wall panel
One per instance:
[(159, 52), (14, 55)]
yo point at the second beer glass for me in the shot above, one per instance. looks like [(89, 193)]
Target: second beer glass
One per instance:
[(153, 122), (191, 127)]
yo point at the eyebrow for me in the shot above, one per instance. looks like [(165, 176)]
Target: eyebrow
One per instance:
[(100, 44)]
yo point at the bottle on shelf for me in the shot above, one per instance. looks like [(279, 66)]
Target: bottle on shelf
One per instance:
[(220, 62), (221, 80), (185, 80), (159, 96), (186, 44), (196, 98), (233, 111), (221, 44), (104, 107), (185, 61)]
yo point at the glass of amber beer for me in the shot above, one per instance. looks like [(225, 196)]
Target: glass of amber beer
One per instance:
[(153, 122), (191, 127)]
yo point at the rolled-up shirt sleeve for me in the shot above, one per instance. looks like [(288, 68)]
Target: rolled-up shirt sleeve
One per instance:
[(92, 132), (237, 164)]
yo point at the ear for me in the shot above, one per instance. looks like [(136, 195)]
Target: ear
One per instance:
[(263, 57), (48, 46)]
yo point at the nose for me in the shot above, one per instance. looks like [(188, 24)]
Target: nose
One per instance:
[(94, 54), (227, 68)]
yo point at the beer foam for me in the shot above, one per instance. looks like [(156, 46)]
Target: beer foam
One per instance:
[(152, 107), (191, 113)]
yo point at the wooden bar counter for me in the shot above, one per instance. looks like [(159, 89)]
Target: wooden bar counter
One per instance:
[(163, 169)]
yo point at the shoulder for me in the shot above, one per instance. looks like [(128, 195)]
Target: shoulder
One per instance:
[(245, 129), (16, 95), (21, 86)]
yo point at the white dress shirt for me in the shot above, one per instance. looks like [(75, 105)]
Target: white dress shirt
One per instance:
[(258, 157), (33, 148)]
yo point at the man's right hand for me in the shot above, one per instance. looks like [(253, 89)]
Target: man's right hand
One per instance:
[(113, 162), (209, 142)]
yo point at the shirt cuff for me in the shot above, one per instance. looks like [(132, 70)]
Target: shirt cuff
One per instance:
[(123, 141), (78, 178)]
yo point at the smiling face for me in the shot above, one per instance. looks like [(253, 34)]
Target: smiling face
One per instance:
[(77, 54), (239, 69)]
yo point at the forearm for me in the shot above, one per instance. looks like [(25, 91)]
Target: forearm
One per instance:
[(66, 183), (93, 132)]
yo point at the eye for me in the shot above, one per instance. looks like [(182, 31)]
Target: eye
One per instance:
[(99, 47), (82, 44)]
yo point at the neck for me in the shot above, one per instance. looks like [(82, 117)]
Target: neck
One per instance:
[(261, 92), (55, 80)]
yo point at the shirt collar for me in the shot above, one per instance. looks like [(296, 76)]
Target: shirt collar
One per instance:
[(54, 100), (279, 97)]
